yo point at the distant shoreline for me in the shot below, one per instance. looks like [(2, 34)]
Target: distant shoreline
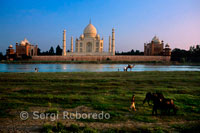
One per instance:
[(99, 62)]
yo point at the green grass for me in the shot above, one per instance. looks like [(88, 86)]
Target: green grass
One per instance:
[(104, 91), (191, 127), (60, 128)]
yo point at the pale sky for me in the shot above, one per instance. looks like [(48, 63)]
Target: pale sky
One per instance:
[(177, 22)]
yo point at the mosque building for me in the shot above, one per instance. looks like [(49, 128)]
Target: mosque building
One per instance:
[(24, 48), (89, 43), (156, 47)]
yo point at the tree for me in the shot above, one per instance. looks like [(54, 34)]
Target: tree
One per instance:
[(1, 56), (51, 51), (58, 50), (137, 52), (132, 52), (178, 55), (45, 53), (38, 51)]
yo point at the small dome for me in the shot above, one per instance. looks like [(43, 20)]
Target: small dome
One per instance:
[(156, 39), (81, 36), (10, 46), (24, 42), (90, 31), (98, 37), (167, 45)]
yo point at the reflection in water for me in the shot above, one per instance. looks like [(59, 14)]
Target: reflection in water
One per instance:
[(88, 67), (91, 67), (64, 66)]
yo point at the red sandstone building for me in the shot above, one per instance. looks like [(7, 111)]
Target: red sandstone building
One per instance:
[(24, 48), (10, 52), (156, 47)]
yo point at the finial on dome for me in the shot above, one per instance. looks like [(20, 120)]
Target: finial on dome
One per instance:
[(90, 21)]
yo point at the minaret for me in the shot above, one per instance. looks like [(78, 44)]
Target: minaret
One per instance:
[(64, 43), (72, 44), (109, 50), (113, 41)]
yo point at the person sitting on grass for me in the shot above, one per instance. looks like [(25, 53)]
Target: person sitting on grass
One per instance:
[(132, 107)]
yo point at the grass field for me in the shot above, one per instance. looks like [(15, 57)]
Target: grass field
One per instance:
[(105, 91)]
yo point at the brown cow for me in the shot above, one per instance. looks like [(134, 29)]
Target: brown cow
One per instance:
[(159, 102), (167, 105), (150, 96)]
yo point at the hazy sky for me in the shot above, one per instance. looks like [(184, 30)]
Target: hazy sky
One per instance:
[(177, 22)]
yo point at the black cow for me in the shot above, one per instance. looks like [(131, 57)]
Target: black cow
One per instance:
[(159, 102), (151, 96)]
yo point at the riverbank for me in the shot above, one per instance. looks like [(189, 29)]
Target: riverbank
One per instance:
[(100, 62), (83, 62), (110, 92)]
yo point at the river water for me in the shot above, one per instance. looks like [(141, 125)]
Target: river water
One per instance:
[(92, 67)]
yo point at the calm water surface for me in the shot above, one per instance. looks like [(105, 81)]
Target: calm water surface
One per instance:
[(91, 67)]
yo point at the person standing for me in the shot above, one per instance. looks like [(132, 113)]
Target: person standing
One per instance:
[(132, 107)]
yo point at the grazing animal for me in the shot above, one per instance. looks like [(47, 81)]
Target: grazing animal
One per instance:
[(159, 102), (167, 105), (129, 67), (150, 96)]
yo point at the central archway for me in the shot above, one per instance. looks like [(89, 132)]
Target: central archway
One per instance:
[(89, 47)]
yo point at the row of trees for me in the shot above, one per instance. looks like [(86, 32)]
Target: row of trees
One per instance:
[(132, 52), (51, 51), (191, 55)]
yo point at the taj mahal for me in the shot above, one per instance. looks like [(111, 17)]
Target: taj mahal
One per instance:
[(89, 43), (90, 47)]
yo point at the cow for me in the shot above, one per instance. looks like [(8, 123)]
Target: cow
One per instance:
[(160, 102)]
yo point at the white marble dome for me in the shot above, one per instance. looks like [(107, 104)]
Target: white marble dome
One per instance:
[(10, 46), (81, 36), (90, 31), (167, 45), (156, 40), (98, 36), (24, 42)]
